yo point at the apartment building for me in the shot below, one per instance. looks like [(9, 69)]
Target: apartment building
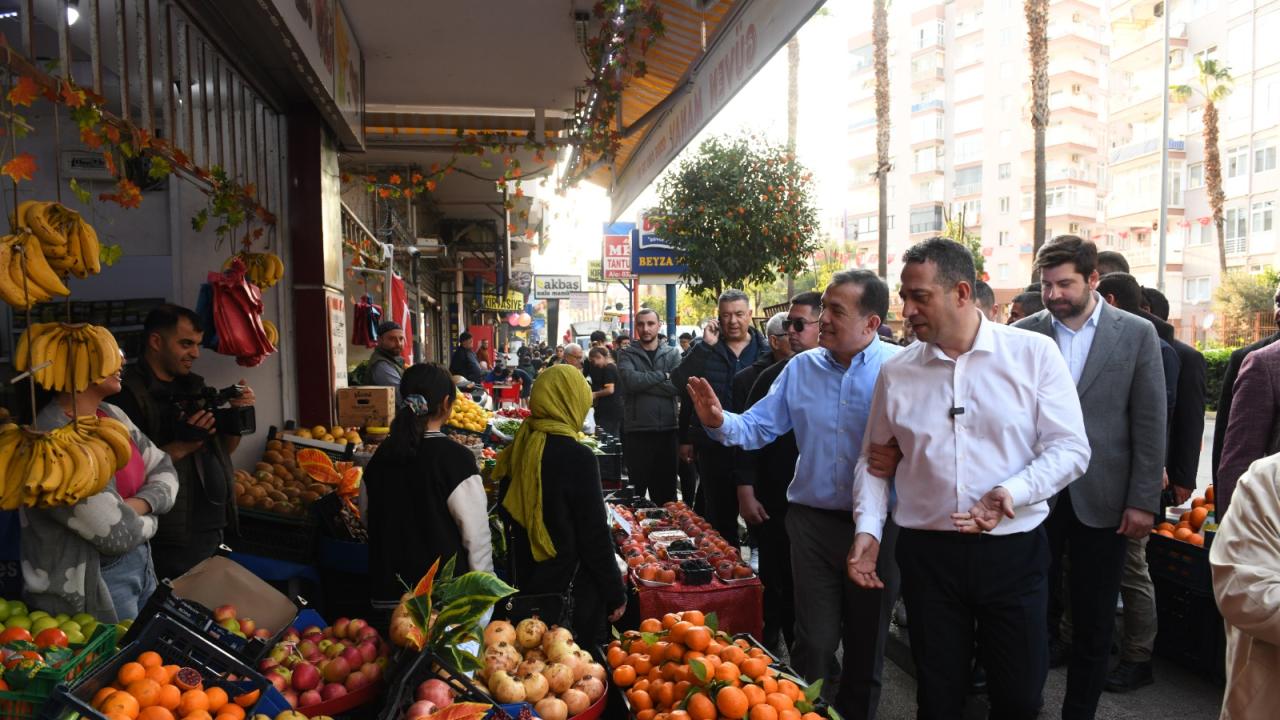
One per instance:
[(961, 140), (1243, 35)]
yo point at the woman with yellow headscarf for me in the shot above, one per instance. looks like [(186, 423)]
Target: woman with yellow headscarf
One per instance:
[(554, 506)]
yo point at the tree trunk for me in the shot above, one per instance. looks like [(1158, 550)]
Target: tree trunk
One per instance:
[(1213, 179), (793, 115), (1037, 12), (880, 40)]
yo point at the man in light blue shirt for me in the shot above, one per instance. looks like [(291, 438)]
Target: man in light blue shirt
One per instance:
[(824, 395), (1076, 342)]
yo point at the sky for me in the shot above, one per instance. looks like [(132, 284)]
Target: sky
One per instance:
[(760, 107)]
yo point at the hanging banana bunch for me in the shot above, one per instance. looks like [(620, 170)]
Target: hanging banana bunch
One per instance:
[(273, 333), (70, 244), (26, 277), (61, 467), (261, 269), (77, 355)]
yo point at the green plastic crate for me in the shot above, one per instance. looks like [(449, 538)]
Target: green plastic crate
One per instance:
[(25, 704)]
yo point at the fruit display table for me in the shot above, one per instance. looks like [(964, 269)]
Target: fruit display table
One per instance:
[(676, 561)]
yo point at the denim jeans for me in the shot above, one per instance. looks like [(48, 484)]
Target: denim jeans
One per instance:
[(130, 579)]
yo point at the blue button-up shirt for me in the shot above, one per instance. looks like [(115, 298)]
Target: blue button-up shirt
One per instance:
[(1075, 344), (827, 406)]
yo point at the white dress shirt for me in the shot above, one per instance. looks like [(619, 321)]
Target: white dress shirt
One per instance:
[(1075, 344), (1021, 428)]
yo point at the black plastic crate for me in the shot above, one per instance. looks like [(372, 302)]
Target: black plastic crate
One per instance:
[(423, 667), (1189, 628), (1180, 563), (177, 645), (280, 537)]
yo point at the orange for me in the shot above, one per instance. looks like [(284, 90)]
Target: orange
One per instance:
[(217, 698), (120, 703), (700, 707), (655, 674), (755, 694), (714, 648), (789, 715), (1208, 494), (755, 652), (130, 672), (193, 701), (669, 670), (101, 695), (172, 670), (733, 654), (675, 651), (811, 716), (646, 714), (642, 684), (624, 676), (697, 638), (769, 684), (1196, 502), (1197, 517), (616, 656), (651, 625), (228, 714), (1165, 533), (780, 702), (694, 616), (682, 689), (150, 658), (1197, 539), (754, 667), (763, 712), (640, 700), (642, 663), (1182, 533), (678, 631), (158, 673), (155, 712), (728, 672), (666, 695), (678, 715), (146, 691), (790, 689), (170, 697), (638, 646), (198, 715), (732, 703)]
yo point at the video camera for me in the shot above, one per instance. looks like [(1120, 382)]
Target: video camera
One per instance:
[(228, 420)]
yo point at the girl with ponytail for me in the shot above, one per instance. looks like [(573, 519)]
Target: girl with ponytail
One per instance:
[(426, 499)]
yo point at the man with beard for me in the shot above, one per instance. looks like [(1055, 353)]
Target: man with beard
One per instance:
[(1114, 358), (763, 477), (649, 410), (823, 395), (1226, 398), (729, 345), (386, 365)]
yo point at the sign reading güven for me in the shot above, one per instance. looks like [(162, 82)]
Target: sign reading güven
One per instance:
[(556, 287)]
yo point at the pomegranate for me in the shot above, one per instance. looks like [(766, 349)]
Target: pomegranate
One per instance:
[(499, 631), (535, 687), (555, 633), (420, 709), (530, 666), (558, 650), (597, 671), (507, 652), (591, 686), (435, 690), (536, 654), (559, 677), (529, 632), (509, 691), (576, 701), (550, 708)]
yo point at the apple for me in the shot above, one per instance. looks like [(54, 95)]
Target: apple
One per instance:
[(368, 633), (324, 644), (336, 649), (420, 709), (353, 656), (336, 670), (290, 636), (290, 697), (263, 633), (355, 626), (277, 681), (368, 650), (230, 624), (371, 671), (248, 626), (286, 672), (279, 653), (356, 681), (224, 613), (332, 691), (307, 648), (382, 661), (305, 677), (313, 630), (339, 627), (309, 698), (267, 663)]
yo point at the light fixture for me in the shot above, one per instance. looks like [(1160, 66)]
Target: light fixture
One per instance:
[(73, 12)]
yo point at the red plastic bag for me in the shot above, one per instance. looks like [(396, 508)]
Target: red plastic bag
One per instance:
[(237, 316)]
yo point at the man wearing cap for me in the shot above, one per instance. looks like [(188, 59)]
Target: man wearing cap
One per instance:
[(386, 365), (464, 361)]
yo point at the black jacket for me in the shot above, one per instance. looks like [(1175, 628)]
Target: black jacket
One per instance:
[(465, 363), (717, 365), (1224, 400), (1186, 430), (206, 490), (770, 468), (648, 397)]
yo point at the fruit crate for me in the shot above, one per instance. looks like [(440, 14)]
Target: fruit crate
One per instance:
[(337, 451), (1180, 563), (1189, 628), (279, 537), (423, 667), (177, 645), (25, 704)]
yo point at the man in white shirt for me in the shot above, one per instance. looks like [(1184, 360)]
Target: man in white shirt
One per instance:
[(989, 430)]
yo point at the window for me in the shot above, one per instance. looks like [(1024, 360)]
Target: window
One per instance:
[(926, 160), (1205, 236), (1264, 159), (865, 227), (968, 181), (1269, 94), (1005, 171), (861, 58), (968, 148), (1003, 238), (1262, 215), (1004, 205), (1003, 272), (967, 117), (1195, 175), (1196, 290), (926, 219), (1208, 53), (1236, 232), (972, 210), (1237, 161), (1268, 50), (1006, 36)]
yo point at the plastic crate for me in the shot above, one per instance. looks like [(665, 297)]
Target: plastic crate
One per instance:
[(1189, 628), (26, 703), (280, 537), (178, 645), (1180, 563), (425, 666), (199, 619)]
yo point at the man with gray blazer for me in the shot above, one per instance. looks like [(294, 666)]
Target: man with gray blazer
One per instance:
[(1114, 358)]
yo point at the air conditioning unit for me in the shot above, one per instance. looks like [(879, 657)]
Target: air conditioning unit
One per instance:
[(430, 246)]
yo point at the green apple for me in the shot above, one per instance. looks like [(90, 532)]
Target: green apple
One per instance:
[(75, 637), (83, 618), (43, 624), (61, 617), (18, 621), (4, 610), (69, 626), (89, 628), (17, 607), (37, 615)]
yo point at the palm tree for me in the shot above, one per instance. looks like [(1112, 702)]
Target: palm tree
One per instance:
[(1215, 86), (880, 41), (1037, 12)]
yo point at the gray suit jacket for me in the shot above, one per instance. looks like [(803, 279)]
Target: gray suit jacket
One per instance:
[(1122, 394)]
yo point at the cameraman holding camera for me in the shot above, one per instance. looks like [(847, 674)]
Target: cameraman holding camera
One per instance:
[(173, 407)]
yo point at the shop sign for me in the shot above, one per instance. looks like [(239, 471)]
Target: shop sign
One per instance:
[(326, 44), (522, 281), (556, 287), (617, 250), (337, 338), (654, 256), (595, 271), (739, 49), (512, 302), (580, 301)]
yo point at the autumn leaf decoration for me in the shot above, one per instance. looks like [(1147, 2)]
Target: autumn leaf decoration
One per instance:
[(20, 167)]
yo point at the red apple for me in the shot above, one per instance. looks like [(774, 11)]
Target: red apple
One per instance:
[(224, 613), (356, 681), (339, 627), (336, 670), (371, 671), (263, 633), (305, 677), (290, 697), (354, 657), (248, 626), (267, 663), (307, 648), (355, 626), (368, 650), (313, 630), (368, 633), (309, 698), (332, 691), (277, 681)]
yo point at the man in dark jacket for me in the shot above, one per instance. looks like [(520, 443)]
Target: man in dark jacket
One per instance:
[(1228, 385), (386, 364), (729, 345), (649, 410), (1186, 432), (464, 361), (154, 389)]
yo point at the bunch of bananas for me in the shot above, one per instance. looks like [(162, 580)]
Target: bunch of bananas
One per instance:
[(261, 269), (273, 333), (70, 244), (26, 278), (61, 467), (77, 355)]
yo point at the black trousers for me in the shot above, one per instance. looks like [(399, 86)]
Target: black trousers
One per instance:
[(651, 463), (775, 573), (1093, 585), (718, 489), (988, 588), (688, 474)]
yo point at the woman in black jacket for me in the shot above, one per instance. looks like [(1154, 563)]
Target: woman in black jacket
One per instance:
[(426, 499), (555, 507)]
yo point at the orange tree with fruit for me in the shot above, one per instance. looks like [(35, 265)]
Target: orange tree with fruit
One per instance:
[(681, 667)]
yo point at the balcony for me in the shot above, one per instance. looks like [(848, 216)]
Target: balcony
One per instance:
[(974, 188), (1059, 30), (1143, 47), (928, 74), (1073, 65), (928, 105), (1069, 101), (1134, 150), (1062, 135), (864, 122)]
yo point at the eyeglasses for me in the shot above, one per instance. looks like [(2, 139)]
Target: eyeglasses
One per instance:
[(798, 324)]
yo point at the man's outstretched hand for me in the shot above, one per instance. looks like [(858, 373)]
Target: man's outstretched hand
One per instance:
[(705, 403), (862, 562), (987, 513)]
